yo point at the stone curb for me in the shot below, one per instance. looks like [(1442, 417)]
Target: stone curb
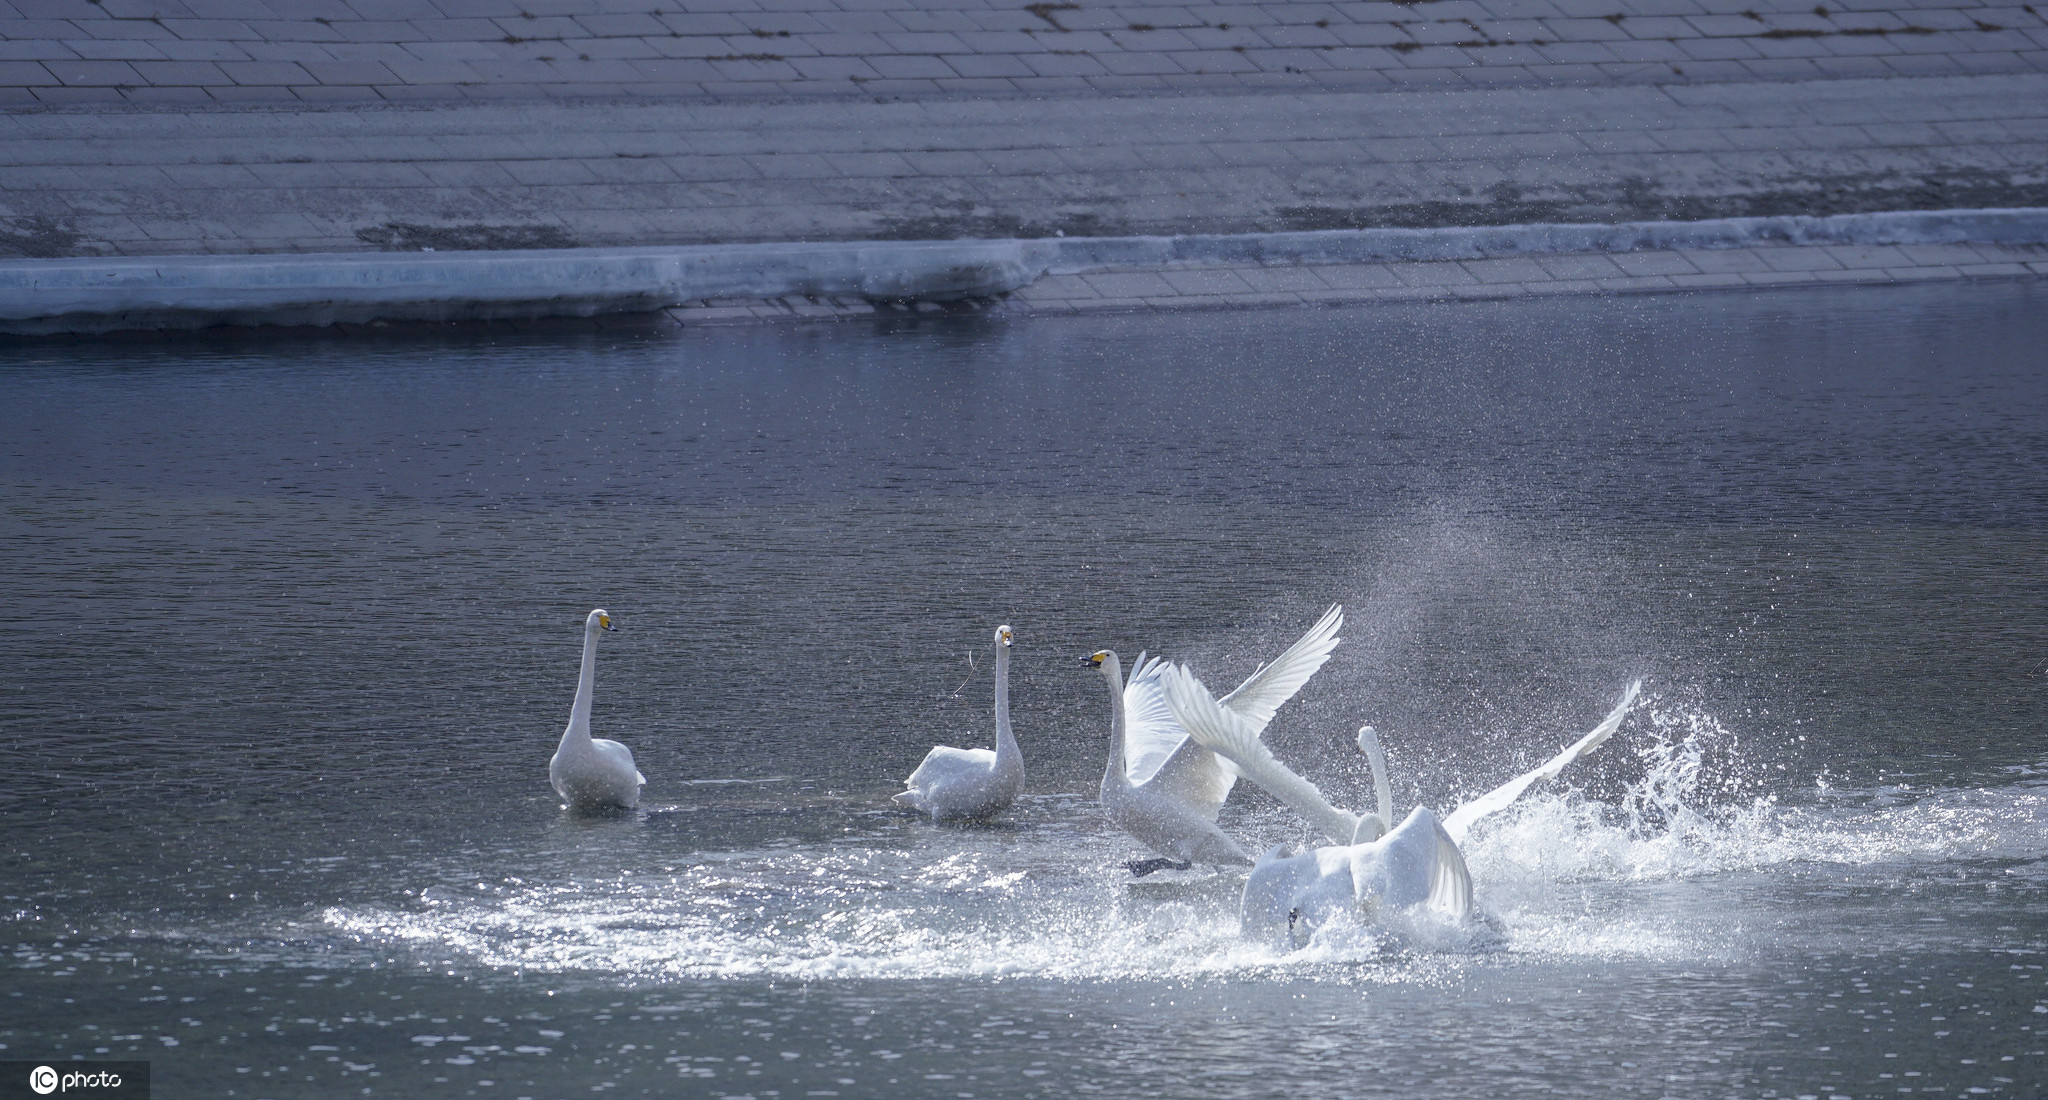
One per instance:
[(40, 297)]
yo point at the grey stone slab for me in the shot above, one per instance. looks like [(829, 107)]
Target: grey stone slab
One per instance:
[(1579, 267), (1432, 274), (1731, 261), (26, 74), (1208, 281), (1709, 281), (1867, 256), (1354, 278), (1923, 274), (91, 73), (1653, 263), (1059, 288), (1283, 280), (1798, 259), (1507, 270)]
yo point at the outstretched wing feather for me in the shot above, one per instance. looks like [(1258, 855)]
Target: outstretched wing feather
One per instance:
[(1159, 756), (1450, 883), (1461, 820), (1233, 737), (1264, 691), (1150, 732)]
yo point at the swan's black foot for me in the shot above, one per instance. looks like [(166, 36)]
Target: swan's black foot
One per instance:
[(1139, 868)]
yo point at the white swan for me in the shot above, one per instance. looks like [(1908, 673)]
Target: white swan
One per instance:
[(971, 784), (1162, 776), (1415, 866), (1175, 829), (1367, 868), (591, 773), (1159, 754)]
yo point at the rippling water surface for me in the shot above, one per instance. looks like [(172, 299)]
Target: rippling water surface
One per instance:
[(290, 629)]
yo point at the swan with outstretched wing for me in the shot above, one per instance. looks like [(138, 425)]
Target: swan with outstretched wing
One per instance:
[(1158, 753), (1159, 781), (1369, 864)]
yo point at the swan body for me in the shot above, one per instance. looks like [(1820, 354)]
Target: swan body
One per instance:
[(1367, 867), (591, 773), (1182, 832), (972, 784), (1415, 865)]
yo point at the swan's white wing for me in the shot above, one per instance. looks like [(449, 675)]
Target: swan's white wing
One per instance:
[(946, 764), (1195, 776), (1450, 884), (1150, 733), (1415, 864), (1233, 737), (1159, 756), (1464, 817), (1263, 693)]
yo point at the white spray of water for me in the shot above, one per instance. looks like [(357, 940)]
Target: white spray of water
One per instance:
[(1559, 873)]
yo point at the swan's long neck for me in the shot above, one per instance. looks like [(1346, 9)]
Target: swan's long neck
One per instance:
[(1373, 826), (579, 711), (1113, 776), (1006, 742), (1369, 743)]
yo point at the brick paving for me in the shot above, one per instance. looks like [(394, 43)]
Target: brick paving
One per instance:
[(71, 52)]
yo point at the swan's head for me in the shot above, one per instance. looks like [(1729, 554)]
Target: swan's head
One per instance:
[(599, 620), (1004, 638), (1105, 661)]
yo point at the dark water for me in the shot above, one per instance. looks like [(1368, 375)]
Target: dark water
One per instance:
[(290, 630)]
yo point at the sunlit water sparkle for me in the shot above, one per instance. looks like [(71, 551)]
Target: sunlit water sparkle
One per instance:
[(292, 628)]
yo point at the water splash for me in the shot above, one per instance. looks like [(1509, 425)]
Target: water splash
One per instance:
[(1559, 872), (1687, 815)]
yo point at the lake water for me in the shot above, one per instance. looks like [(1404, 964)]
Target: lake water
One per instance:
[(291, 628)]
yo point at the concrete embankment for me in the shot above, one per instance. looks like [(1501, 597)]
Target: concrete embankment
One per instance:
[(171, 171), (732, 282)]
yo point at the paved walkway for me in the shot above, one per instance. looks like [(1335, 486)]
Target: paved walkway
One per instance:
[(326, 51), (163, 127), (132, 181)]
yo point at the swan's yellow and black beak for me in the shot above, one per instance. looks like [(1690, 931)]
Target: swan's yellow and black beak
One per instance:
[(1094, 660), (605, 621), (1007, 637)]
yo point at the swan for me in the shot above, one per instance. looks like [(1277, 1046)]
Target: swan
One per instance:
[(1163, 787), (592, 773), (1176, 829), (1368, 867), (972, 784)]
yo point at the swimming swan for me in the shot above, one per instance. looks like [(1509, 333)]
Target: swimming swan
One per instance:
[(971, 784), (1368, 867), (1163, 787), (592, 773)]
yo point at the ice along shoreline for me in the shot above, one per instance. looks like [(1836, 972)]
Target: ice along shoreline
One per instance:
[(99, 295)]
